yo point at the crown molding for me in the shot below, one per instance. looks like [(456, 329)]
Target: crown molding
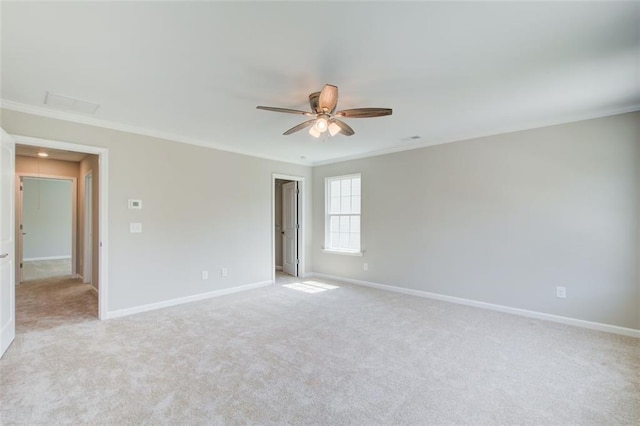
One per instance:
[(91, 121), (469, 136), (122, 127)]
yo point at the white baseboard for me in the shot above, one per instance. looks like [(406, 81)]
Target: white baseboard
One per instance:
[(32, 259), (278, 268), (93, 288), (632, 332), (173, 302)]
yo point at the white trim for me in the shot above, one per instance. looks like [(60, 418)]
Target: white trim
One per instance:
[(33, 259), (278, 268), (632, 332), (343, 252), (469, 136), (93, 288), (182, 300), (106, 124), (92, 121), (87, 228), (103, 213), (301, 221)]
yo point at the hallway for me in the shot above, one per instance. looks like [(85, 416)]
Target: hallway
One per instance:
[(40, 269), (52, 302)]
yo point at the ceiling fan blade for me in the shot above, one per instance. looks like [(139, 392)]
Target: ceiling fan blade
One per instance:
[(300, 126), (287, 110), (364, 112), (328, 98), (345, 129)]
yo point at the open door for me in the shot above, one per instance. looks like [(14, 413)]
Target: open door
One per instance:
[(7, 242), (290, 228), (19, 231), (87, 262)]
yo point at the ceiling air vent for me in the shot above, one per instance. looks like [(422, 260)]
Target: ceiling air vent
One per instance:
[(70, 104)]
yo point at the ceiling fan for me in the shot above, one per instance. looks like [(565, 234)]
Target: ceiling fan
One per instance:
[(323, 106)]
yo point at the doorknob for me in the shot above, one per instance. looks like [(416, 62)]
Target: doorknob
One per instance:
[(3, 255)]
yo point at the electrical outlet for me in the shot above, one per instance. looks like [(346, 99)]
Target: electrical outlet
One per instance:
[(223, 272), (561, 292), (365, 266), (205, 275)]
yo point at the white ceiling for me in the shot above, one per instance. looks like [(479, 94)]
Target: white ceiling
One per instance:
[(196, 71)]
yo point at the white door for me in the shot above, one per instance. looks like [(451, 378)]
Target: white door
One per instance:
[(88, 229), (20, 232), (7, 242), (290, 228)]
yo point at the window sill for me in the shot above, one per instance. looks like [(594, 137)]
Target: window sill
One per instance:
[(342, 252)]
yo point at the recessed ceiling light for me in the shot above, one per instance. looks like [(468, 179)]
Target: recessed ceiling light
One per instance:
[(42, 154)]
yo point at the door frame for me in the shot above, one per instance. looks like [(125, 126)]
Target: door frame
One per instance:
[(20, 220), (103, 210), (87, 224), (301, 222), (290, 197)]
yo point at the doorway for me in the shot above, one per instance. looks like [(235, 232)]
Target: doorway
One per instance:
[(46, 218), (91, 262), (8, 228), (288, 231)]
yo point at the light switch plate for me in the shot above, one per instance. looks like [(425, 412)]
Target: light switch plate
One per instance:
[(135, 204), (135, 228)]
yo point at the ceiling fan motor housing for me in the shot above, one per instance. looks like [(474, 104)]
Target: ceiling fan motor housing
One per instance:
[(313, 101)]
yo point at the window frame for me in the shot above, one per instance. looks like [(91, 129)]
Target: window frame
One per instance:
[(328, 215)]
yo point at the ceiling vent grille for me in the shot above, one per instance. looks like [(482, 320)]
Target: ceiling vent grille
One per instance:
[(70, 104)]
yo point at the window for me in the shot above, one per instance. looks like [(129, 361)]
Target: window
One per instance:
[(342, 219)]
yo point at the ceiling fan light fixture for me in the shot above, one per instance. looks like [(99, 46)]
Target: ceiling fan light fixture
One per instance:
[(313, 131), (334, 129), (322, 124)]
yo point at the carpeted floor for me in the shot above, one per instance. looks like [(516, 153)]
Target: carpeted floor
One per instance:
[(53, 302), (41, 269), (320, 352)]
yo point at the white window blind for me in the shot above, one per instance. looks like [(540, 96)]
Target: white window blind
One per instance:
[(342, 227)]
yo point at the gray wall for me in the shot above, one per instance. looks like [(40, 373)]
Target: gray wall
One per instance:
[(203, 209), (502, 219), (47, 218), (505, 219)]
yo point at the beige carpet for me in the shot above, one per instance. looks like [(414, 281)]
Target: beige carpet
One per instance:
[(321, 353), (54, 302), (40, 269)]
